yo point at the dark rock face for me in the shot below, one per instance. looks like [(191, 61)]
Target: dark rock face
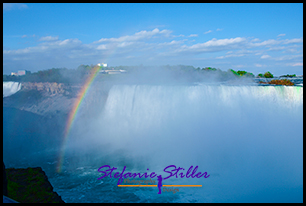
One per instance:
[(4, 181), (30, 185)]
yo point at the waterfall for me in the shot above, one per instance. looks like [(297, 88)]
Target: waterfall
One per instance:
[(10, 88), (248, 138)]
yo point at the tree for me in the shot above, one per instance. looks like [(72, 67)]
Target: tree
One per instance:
[(268, 75), (241, 73), (234, 72), (260, 75), (210, 68)]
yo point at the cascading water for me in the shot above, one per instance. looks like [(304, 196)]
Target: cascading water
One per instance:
[(249, 138), (10, 88)]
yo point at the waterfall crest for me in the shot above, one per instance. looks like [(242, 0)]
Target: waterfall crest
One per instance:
[(10, 88)]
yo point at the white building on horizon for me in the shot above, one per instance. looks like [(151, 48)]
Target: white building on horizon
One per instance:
[(103, 65), (20, 73)]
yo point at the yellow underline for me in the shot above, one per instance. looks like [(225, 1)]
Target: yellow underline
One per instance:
[(137, 185), (156, 185)]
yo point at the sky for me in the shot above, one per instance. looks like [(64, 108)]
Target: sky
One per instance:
[(251, 37)]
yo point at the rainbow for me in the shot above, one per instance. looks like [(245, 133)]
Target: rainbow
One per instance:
[(77, 104), (73, 113)]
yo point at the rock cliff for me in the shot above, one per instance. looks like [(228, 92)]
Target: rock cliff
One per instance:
[(51, 88), (30, 185), (42, 98), (53, 99)]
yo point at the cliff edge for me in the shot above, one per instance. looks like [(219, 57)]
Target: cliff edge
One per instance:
[(30, 185), (42, 98), (51, 98)]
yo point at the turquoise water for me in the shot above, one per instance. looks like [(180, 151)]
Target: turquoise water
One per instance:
[(248, 138)]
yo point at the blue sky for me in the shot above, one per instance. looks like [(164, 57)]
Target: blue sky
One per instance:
[(252, 37)]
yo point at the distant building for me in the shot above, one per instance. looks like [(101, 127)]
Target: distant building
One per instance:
[(23, 72), (14, 74), (103, 65)]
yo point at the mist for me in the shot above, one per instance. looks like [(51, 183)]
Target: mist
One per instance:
[(248, 138)]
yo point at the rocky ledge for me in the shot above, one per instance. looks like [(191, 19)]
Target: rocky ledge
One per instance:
[(51, 99), (30, 185), (51, 88), (279, 82), (43, 98)]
